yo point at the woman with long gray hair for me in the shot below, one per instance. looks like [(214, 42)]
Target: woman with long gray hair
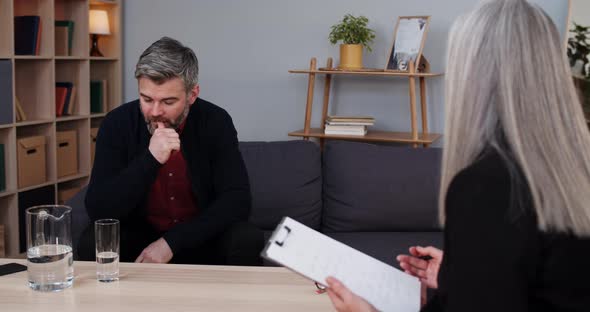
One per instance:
[(515, 187)]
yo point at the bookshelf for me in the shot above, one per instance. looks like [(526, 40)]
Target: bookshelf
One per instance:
[(414, 137), (31, 79)]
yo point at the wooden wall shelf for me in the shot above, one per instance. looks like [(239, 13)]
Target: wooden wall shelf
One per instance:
[(414, 137), (371, 136)]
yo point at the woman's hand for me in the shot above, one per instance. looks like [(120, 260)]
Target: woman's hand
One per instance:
[(344, 300), (425, 270)]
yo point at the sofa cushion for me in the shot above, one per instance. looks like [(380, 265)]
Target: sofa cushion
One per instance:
[(370, 187), (285, 180), (385, 246)]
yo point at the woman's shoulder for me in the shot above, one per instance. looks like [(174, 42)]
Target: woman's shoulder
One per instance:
[(493, 183), (489, 170)]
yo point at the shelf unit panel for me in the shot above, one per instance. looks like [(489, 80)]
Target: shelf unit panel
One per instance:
[(6, 26), (101, 70), (372, 135), (76, 11), (44, 9), (76, 72), (97, 115), (69, 118), (104, 2), (35, 88), (101, 58), (9, 218), (6, 91), (32, 57), (48, 131), (8, 138), (82, 128)]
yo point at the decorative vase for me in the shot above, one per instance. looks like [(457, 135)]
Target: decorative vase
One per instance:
[(351, 56)]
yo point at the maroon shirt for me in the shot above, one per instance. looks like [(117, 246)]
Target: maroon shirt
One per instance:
[(171, 200)]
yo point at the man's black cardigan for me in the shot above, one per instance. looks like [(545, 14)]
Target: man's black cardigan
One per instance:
[(124, 170)]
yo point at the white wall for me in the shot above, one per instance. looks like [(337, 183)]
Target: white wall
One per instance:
[(581, 12), (245, 49)]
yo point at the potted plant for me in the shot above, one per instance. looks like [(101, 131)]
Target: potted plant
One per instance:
[(354, 35), (578, 51)]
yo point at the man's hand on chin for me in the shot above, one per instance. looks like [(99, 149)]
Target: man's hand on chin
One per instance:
[(156, 252)]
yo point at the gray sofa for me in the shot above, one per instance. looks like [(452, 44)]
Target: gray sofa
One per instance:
[(378, 199)]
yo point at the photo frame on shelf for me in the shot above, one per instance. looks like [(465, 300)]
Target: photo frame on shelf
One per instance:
[(407, 44)]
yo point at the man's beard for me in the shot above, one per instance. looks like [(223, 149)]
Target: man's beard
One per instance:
[(175, 124)]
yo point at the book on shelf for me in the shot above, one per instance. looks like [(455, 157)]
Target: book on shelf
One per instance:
[(38, 38), (72, 104), (27, 35), (60, 99), (20, 112), (61, 41), (350, 123), (98, 96), (353, 132), (334, 117), (351, 128), (350, 119), (66, 28)]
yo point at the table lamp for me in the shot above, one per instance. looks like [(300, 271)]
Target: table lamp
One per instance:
[(98, 24)]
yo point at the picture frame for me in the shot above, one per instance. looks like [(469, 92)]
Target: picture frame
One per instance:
[(407, 44)]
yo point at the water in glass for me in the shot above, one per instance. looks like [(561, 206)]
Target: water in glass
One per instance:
[(50, 267), (107, 266)]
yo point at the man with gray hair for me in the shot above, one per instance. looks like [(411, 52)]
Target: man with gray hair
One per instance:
[(168, 167)]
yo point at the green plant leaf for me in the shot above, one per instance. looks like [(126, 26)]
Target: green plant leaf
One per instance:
[(352, 30)]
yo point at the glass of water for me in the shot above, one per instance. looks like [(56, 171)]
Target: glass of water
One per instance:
[(106, 233), (50, 264)]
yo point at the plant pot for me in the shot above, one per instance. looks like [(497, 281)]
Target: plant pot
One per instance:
[(351, 56), (583, 88)]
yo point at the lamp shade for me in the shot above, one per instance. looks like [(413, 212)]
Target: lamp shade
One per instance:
[(98, 22)]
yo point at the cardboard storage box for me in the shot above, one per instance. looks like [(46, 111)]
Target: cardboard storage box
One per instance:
[(65, 194), (31, 161), (93, 133), (67, 153)]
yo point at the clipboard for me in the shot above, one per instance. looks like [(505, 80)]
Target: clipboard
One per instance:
[(317, 256)]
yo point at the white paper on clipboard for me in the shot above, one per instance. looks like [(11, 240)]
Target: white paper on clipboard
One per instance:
[(317, 256)]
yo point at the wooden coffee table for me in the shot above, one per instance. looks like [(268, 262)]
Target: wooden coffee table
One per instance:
[(167, 288)]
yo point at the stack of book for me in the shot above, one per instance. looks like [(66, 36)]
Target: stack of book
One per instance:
[(348, 125), (65, 93)]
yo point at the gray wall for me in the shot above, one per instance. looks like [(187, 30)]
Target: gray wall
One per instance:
[(246, 47), (581, 12)]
